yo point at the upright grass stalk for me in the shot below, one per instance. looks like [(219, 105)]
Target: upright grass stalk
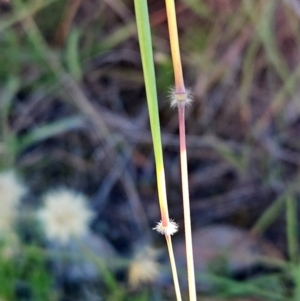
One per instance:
[(166, 226), (292, 241), (180, 98), (292, 229)]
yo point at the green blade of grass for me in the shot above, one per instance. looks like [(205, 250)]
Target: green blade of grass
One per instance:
[(17, 17), (118, 36), (144, 35), (7, 95), (50, 130), (72, 54), (7, 136), (272, 212), (269, 215), (291, 228)]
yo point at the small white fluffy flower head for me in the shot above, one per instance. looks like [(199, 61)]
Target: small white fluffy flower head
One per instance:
[(11, 192), (144, 267), (180, 99), (170, 229), (65, 215)]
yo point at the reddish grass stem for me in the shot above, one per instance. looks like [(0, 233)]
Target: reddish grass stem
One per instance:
[(186, 203), (181, 98)]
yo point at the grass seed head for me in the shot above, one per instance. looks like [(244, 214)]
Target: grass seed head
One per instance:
[(180, 99), (65, 215), (170, 229), (143, 268), (11, 192)]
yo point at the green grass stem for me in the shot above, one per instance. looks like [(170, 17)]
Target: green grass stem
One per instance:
[(292, 228), (144, 35)]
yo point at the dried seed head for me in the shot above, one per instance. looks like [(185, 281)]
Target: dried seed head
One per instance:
[(11, 192), (180, 99), (65, 215), (170, 229), (144, 268)]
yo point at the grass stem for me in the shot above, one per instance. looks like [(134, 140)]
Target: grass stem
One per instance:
[(172, 22), (291, 228), (166, 226), (186, 204), (182, 98), (144, 34), (173, 267)]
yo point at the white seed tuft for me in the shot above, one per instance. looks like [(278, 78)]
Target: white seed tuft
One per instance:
[(144, 268), (65, 215), (11, 192), (180, 99), (170, 229)]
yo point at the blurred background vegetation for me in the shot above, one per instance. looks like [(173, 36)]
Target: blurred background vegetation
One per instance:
[(73, 113)]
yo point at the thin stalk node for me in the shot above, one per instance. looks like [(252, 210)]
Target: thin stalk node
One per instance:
[(169, 229), (181, 98)]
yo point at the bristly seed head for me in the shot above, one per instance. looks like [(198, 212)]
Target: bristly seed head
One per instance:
[(65, 215), (180, 99), (170, 229)]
